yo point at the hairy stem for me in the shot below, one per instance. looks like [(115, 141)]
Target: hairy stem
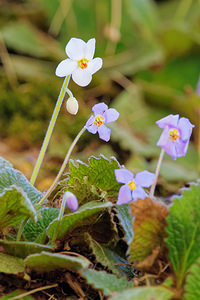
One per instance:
[(157, 173), (49, 130)]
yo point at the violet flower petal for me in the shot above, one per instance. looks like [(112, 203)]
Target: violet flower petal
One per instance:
[(90, 126), (164, 138), (72, 202), (171, 120), (144, 178), (104, 133), (124, 195), (170, 148), (138, 193), (99, 108), (110, 115), (123, 175), (181, 147), (185, 127)]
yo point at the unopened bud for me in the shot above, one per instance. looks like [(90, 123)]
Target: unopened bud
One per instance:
[(71, 201), (72, 105)]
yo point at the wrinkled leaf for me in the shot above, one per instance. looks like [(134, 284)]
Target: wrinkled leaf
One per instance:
[(10, 177), (192, 286), (126, 220), (99, 174), (14, 206), (47, 262), (109, 258), (81, 217), (37, 231), (147, 293), (184, 231), (108, 283), (10, 264), (23, 249), (4, 163)]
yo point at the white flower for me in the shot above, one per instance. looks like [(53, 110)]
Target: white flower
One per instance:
[(80, 62), (72, 105)]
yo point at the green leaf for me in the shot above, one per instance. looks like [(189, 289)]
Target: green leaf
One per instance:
[(147, 293), (4, 163), (109, 258), (10, 177), (184, 231), (47, 262), (17, 293), (23, 249), (22, 37), (98, 174), (126, 220), (108, 283), (36, 232), (144, 14), (14, 206), (10, 264), (192, 286), (81, 217)]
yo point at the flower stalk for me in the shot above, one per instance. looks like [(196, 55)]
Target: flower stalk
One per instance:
[(63, 165), (157, 173), (50, 130)]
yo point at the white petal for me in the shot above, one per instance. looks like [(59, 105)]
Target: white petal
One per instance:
[(72, 105), (94, 65), (90, 49), (81, 77), (66, 67), (75, 49)]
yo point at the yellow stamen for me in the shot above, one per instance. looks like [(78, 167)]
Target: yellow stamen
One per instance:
[(99, 120), (83, 63), (174, 134), (132, 185)]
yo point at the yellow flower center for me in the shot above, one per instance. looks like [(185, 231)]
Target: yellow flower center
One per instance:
[(132, 185), (99, 120), (174, 134), (83, 63)]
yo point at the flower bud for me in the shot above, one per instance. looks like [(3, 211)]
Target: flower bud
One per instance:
[(72, 105), (71, 201)]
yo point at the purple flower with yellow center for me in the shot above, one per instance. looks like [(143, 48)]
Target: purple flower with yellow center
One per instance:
[(102, 115), (133, 185), (175, 136)]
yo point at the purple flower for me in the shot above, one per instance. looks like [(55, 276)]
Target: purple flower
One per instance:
[(102, 116), (175, 136), (133, 186), (71, 201)]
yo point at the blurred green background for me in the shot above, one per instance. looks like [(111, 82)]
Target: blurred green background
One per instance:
[(151, 55)]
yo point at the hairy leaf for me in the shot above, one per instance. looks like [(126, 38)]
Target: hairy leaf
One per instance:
[(14, 206), (99, 175), (23, 249), (4, 163), (37, 231), (47, 262), (9, 177), (10, 264), (108, 283), (192, 286), (79, 218), (147, 293), (184, 231), (109, 258), (126, 219)]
